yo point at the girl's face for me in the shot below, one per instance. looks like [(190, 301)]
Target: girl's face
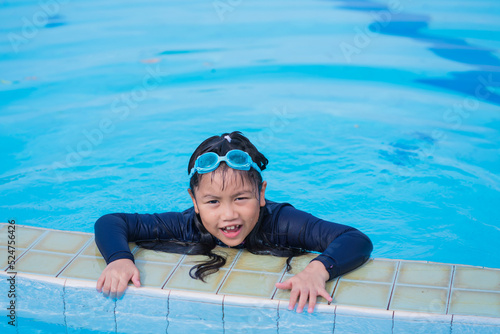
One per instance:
[(229, 214)]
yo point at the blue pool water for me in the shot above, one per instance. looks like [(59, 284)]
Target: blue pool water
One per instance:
[(383, 115)]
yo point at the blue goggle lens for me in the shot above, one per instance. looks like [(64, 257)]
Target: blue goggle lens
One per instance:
[(208, 160), (237, 158)]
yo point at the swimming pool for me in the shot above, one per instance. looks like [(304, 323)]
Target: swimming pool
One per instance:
[(378, 114)]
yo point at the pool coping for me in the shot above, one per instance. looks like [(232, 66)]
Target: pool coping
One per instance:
[(336, 315), (330, 315)]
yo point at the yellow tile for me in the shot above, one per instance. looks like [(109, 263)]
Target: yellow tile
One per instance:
[(475, 303), (375, 271), (42, 262), (92, 249), (409, 298), (362, 294), (228, 253), (24, 236), (62, 242), (298, 263), (153, 274), (85, 267), (181, 280), (156, 256), (249, 284), (476, 278), (267, 263), (425, 274), (285, 294)]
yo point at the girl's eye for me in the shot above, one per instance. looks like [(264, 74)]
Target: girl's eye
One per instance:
[(212, 202), (241, 198)]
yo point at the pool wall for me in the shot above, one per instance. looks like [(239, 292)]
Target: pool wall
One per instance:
[(56, 272)]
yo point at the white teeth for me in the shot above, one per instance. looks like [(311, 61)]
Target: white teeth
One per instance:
[(230, 228)]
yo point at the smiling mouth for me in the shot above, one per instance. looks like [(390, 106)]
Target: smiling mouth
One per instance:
[(231, 231)]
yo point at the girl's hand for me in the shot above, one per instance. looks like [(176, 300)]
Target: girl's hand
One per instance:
[(308, 284), (115, 277)]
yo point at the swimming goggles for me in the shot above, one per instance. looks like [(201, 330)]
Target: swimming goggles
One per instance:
[(236, 159)]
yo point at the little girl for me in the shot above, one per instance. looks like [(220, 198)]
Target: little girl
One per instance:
[(230, 210)]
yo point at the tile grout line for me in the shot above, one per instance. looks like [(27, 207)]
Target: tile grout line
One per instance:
[(365, 281), (173, 271), (27, 249), (114, 316), (475, 290), (396, 275), (450, 290), (333, 292), (229, 270), (64, 306), (258, 271), (275, 289), (223, 320), (417, 285), (85, 245), (168, 312), (47, 229), (56, 253), (334, 317), (278, 318), (37, 240)]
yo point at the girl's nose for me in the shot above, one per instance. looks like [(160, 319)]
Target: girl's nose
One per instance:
[(228, 212)]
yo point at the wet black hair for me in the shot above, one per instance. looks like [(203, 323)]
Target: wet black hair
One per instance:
[(256, 242), (221, 145)]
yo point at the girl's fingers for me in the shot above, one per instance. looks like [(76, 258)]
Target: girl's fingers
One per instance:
[(100, 283), (302, 300), (323, 293), (112, 291), (136, 279), (293, 298), (312, 302), (122, 286), (106, 287), (286, 285)]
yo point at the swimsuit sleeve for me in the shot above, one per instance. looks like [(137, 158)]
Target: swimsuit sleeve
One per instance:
[(343, 248), (114, 231)]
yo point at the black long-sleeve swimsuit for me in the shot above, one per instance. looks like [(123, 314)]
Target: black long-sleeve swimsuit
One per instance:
[(342, 248)]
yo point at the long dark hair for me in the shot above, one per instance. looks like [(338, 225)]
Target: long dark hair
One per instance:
[(256, 242)]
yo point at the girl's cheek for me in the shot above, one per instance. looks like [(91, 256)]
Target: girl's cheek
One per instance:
[(212, 213)]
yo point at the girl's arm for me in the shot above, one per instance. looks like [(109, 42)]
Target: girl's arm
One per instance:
[(343, 248), (113, 232)]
